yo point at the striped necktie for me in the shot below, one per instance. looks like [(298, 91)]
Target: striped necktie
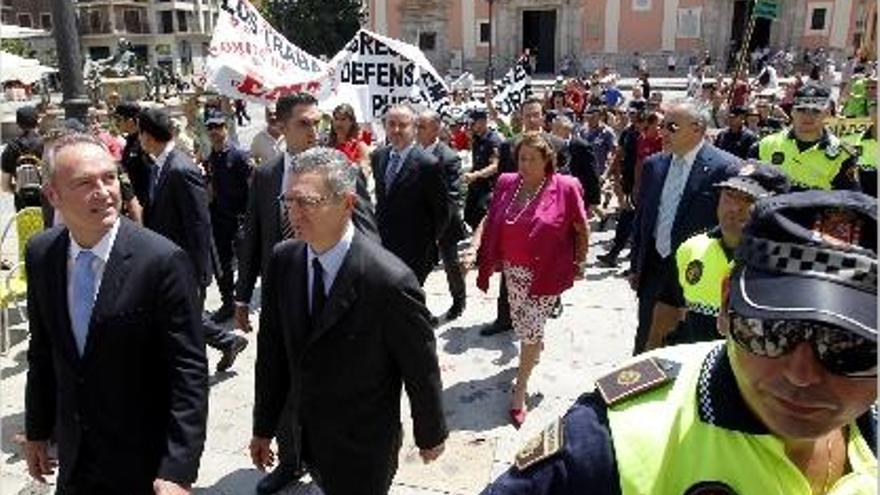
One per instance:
[(391, 171), (83, 299), (669, 200)]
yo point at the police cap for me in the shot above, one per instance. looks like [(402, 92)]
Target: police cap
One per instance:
[(812, 256), (214, 116), (758, 180), (811, 96)]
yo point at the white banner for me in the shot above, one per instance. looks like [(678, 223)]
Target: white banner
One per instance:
[(373, 72), (515, 88), (249, 59)]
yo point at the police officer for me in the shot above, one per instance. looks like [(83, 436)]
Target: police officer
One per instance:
[(785, 404), (865, 144), (484, 159), (703, 261), (228, 170), (811, 156), (27, 147), (135, 163)]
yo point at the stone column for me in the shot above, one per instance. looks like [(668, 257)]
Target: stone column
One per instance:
[(612, 25)]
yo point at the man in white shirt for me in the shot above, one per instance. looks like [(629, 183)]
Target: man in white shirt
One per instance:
[(269, 142)]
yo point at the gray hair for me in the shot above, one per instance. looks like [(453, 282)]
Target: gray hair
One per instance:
[(405, 107), (340, 174), (67, 140), (431, 116), (564, 121), (695, 109)]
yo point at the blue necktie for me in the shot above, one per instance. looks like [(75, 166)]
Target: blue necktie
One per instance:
[(669, 199), (83, 297), (391, 171), (154, 181)]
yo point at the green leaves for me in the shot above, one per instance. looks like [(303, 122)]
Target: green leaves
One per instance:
[(320, 27)]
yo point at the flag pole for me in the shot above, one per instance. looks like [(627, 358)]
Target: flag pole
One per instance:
[(743, 50)]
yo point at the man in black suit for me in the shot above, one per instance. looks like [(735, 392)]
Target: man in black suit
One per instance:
[(323, 341), (677, 199), (412, 204), (428, 132), (116, 370), (178, 210), (265, 225)]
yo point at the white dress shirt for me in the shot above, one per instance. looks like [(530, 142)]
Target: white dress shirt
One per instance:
[(331, 261)]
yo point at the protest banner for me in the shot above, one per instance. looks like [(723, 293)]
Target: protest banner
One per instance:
[(374, 72), (515, 88), (249, 59)]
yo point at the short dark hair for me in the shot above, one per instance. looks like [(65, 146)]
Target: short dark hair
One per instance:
[(284, 106), (156, 123)]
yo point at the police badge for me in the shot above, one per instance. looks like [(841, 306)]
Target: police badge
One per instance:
[(694, 272), (777, 158)]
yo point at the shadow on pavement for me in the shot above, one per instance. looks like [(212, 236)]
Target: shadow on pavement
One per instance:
[(244, 481), (10, 426), (20, 360), (460, 339), (480, 404)]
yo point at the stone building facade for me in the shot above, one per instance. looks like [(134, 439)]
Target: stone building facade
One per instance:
[(456, 34)]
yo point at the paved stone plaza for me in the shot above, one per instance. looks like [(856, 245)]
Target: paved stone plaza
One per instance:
[(594, 332)]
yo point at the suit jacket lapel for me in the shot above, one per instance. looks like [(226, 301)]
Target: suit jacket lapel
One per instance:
[(695, 183), (274, 192), (659, 178), (343, 293), (115, 273), (56, 282), (299, 289), (408, 170)]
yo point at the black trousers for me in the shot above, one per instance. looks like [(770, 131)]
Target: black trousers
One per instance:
[(622, 232), (503, 312), (225, 230), (452, 267), (216, 336), (653, 276), (88, 478)]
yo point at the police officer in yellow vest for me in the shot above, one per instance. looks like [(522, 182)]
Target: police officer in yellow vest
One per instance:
[(687, 308), (784, 405), (808, 153), (865, 144)]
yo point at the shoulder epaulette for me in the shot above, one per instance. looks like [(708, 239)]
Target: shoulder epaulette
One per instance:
[(542, 446), (637, 378)]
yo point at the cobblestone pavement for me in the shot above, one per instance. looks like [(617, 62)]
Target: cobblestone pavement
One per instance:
[(594, 332)]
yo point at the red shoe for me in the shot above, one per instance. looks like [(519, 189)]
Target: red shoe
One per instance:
[(517, 417)]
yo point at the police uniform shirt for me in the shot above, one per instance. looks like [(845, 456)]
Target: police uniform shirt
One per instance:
[(483, 149), (585, 462), (867, 175), (847, 177), (697, 326), (736, 143), (229, 170), (136, 165)]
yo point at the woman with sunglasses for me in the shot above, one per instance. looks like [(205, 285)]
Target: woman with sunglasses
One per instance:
[(536, 233), (784, 405)]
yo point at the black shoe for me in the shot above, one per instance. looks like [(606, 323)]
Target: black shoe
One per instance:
[(607, 260), (434, 321), (223, 313), (280, 478), (455, 310), (231, 352), (495, 328), (556, 312)]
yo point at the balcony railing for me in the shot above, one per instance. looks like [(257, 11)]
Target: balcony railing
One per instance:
[(121, 28)]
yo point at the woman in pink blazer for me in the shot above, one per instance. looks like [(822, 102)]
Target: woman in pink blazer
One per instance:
[(536, 233)]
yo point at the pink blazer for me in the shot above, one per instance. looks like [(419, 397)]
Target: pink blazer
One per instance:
[(551, 233)]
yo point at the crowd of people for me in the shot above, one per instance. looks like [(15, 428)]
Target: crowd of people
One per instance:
[(745, 217)]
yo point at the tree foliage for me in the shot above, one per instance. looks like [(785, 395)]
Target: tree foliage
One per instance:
[(320, 27)]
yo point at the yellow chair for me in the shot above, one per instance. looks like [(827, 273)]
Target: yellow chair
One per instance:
[(13, 290)]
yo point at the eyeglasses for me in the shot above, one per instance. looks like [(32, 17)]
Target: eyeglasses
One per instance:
[(305, 202), (840, 352), (211, 127)]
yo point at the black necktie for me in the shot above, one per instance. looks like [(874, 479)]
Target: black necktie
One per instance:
[(319, 296)]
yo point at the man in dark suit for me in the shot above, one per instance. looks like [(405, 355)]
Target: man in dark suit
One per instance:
[(265, 225), (178, 210), (116, 370), (412, 204), (428, 132), (323, 341), (676, 201)]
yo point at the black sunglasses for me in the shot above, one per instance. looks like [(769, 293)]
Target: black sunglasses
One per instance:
[(214, 126), (840, 351)]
